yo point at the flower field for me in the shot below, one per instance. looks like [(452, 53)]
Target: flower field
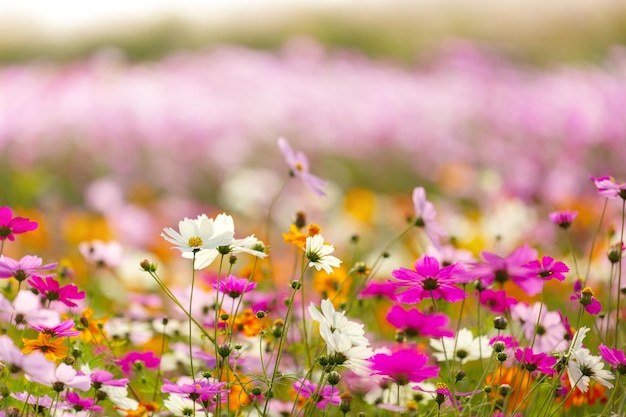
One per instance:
[(312, 232)]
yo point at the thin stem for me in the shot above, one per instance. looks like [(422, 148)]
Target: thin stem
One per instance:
[(593, 241), (619, 276), (193, 280)]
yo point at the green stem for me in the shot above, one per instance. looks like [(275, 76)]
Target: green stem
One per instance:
[(619, 276)]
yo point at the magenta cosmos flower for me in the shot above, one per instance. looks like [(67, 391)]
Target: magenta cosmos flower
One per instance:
[(63, 329), (10, 226), (100, 378), (403, 366), (299, 167), (587, 299), (496, 301), (82, 404), (234, 287), (608, 187), (547, 269), (416, 324), (428, 281), (148, 359), (51, 290), (328, 394), (510, 268), (532, 361), (198, 390), (22, 269), (614, 357), (563, 219)]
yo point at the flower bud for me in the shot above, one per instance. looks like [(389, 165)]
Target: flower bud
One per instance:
[(147, 266), (504, 389), (346, 402), (500, 323), (334, 378), (502, 356), (256, 391), (224, 350), (498, 347), (260, 314)]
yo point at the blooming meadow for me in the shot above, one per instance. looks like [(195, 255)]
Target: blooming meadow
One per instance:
[(362, 312)]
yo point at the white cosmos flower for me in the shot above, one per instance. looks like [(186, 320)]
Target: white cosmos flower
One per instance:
[(181, 407), (340, 348), (337, 322), (319, 254), (467, 347), (582, 366), (199, 234)]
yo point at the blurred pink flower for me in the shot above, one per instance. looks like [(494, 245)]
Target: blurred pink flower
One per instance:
[(532, 361), (563, 219), (24, 268), (299, 166), (10, 226), (403, 366), (148, 359), (102, 254), (327, 395), (417, 324), (234, 287), (425, 217), (496, 301), (609, 188)]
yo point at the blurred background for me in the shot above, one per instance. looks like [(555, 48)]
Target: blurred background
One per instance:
[(147, 111)]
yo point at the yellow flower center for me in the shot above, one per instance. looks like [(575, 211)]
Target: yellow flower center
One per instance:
[(195, 242), (588, 291), (299, 167)]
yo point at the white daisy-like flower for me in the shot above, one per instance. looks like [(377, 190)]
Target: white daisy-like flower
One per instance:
[(181, 407), (319, 254), (344, 353), (195, 235), (582, 367), (463, 348), (337, 321)]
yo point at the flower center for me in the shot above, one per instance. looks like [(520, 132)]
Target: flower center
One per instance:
[(195, 242), (5, 231), (501, 275), (299, 167), (461, 354), (430, 284)]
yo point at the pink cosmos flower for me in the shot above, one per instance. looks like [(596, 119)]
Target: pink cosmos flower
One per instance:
[(502, 269), (416, 324), (10, 226), (51, 290), (549, 329), (609, 188), (586, 298), (547, 269), (425, 217), (60, 330), (100, 378), (149, 360), (27, 309), (328, 394), (403, 366), (201, 389), (234, 287), (81, 404), (24, 268), (442, 394), (15, 361), (299, 166), (62, 377), (532, 362), (379, 290), (428, 281), (614, 357), (496, 301), (563, 219), (102, 254), (43, 401)]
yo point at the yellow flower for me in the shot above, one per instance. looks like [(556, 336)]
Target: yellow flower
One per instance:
[(92, 329), (52, 349), (335, 286)]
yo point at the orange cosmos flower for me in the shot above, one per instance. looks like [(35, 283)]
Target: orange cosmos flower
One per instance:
[(335, 286), (577, 398), (52, 348), (92, 330), (142, 410), (518, 379), (295, 237), (247, 323)]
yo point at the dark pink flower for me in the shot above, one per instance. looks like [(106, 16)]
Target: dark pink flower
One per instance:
[(496, 301), (497, 269), (22, 269), (563, 219), (234, 287), (201, 389), (299, 166), (532, 362), (587, 299), (547, 269), (51, 290), (100, 378), (614, 357), (416, 324), (428, 281), (10, 226), (609, 188), (379, 290), (403, 366), (60, 330), (328, 394), (147, 359), (80, 404), (509, 341)]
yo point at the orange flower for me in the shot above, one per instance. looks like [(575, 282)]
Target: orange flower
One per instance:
[(52, 349), (577, 398), (142, 410), (518, 379), (335, 286), (248, 323), (295, 237), (92, 329)]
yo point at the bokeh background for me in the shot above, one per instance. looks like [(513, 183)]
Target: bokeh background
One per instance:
[(146, 112)]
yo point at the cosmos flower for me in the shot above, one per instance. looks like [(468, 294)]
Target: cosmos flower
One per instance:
[(52, 348), (24, 268), (417, 324), (344, 353), (614, 357), (299, 167), (148, 359), (80, 404), (200, 389), (234, 287), (496, 301), (319, 254), (547, 269), (582, 367), (194, 235), (425, 217), (532, 361), (15, 360), (563, 219), (463, 348), (428, 280), (11, 226), (181, 406), (548, 331), (51, 290), (587, 299), (64, 376), (102, 254), (63, 329), (609, 188), (337, 322), (403, 366), (327, 395)]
